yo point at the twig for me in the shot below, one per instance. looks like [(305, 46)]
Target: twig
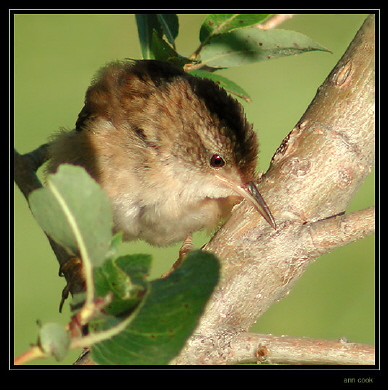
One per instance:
[(243, 348), (25, 167), (330, 233), (35, 352), (274, 21), (252, 347)]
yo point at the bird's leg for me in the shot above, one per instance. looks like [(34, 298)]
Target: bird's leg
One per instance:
[(186, 247)]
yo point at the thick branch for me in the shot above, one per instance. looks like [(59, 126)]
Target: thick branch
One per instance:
[(313, 176)]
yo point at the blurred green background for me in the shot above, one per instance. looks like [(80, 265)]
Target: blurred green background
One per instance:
[(56, 56)]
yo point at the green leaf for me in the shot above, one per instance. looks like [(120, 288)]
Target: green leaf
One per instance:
[(115, 243), (125, 276), (75, 212), (223, 82), (150, 26), (222, 23), (167, 317), (162, 51), (248, 45), (146, 24), (54, 340), (136, 266), (170, 26)]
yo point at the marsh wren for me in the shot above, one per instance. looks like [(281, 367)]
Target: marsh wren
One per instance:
[(173, 152)]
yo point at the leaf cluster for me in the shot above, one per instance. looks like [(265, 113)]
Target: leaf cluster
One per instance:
[(130, 320), (226, 40)]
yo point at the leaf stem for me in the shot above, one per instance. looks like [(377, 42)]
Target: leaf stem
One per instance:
[(33, 353)]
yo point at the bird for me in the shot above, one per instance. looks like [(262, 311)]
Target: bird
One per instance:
[(173, 152)]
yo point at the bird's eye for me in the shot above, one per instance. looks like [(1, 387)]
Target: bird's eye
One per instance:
[(217, 161)]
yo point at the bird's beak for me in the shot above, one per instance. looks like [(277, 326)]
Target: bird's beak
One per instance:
[(252, 194)]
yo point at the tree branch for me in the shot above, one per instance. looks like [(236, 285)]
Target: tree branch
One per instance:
[(313, 176), (255, 348), (331, 233), (25, 167), (271, 349)]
